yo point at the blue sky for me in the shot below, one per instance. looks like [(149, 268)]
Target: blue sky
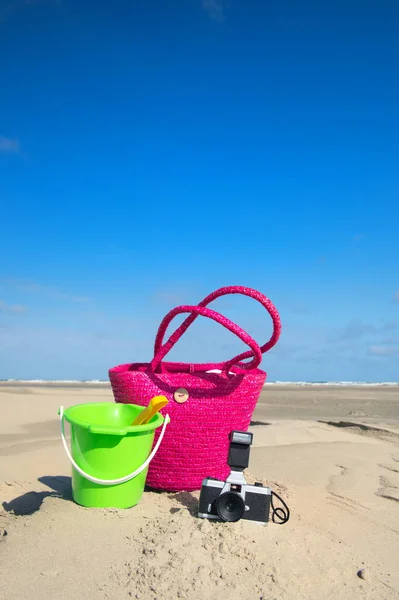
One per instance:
[(151, 152)]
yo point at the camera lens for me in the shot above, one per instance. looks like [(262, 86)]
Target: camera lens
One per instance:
[(230, 506)]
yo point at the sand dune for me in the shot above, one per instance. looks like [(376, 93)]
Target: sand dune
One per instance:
[(338, 473)]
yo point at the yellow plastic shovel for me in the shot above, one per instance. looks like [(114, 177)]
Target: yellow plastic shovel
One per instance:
[(154, 406)]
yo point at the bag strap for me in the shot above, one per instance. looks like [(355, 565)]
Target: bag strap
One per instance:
[(245, 291), (210, 314)]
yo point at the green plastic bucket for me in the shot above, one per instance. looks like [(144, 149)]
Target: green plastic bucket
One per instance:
[(109, 457)]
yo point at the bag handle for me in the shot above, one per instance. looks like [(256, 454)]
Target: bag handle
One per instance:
[(110, 481), (237, 289), (215, 316)]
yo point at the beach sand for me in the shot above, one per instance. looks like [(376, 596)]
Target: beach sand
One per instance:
[(331, 452)]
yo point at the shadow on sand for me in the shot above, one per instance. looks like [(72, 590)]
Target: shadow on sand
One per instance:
[(30, 502)]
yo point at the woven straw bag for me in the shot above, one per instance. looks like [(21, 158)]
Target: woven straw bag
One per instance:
[(203, 406)]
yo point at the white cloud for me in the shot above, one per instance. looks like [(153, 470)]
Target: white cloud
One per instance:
[(170, 298), (8, 8), (8, 145), (215, 9), (38, 288), (383, 350), (302, 309), (50, 2), (355, 330), (15, 308)]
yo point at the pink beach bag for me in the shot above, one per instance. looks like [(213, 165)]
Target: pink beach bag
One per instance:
[(203, 406)]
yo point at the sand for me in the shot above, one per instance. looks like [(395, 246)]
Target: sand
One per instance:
[(331, 452)]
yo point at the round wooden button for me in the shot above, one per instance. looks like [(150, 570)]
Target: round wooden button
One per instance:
[(181, 395)]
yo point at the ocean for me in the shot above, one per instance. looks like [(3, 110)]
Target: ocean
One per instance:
[(282, 383)]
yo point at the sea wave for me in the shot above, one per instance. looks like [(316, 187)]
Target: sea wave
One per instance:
[(298, 383), (80, 381), (335, 383)]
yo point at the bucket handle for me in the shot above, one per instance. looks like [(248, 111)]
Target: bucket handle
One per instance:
[(110, 481)]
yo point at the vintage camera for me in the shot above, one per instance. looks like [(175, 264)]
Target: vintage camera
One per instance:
[(234, 499)]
